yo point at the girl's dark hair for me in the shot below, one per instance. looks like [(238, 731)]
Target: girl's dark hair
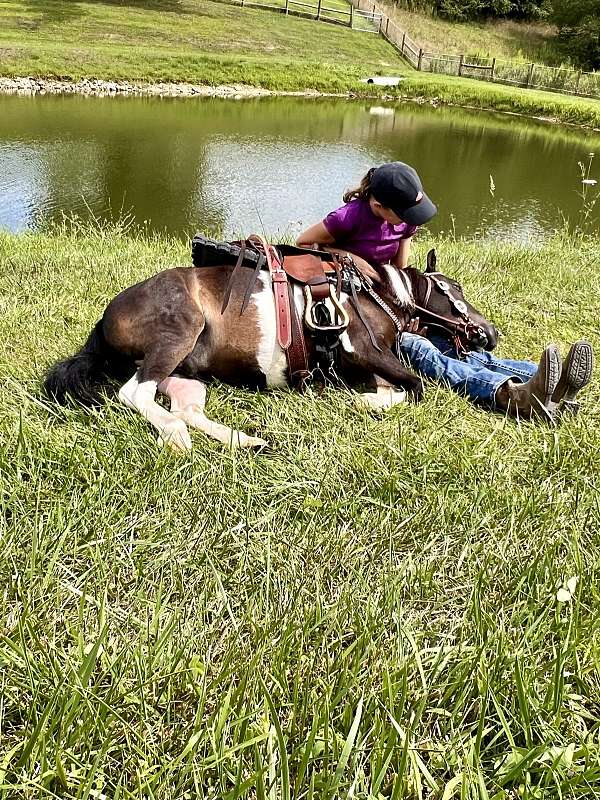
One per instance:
[(361, 192)]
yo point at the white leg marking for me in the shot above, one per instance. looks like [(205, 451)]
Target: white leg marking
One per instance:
[(383, 399), (346, 343), (188, 398), (400, 286), (140, 397), (271, 358)]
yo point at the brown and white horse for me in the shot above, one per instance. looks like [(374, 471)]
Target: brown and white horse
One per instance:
[(168, 334)]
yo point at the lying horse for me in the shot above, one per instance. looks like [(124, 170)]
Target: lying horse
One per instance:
[(172, 332)]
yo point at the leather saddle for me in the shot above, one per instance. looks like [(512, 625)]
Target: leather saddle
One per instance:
[(318, 273)]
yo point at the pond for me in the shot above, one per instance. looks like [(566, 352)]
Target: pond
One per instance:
[(279, 164)]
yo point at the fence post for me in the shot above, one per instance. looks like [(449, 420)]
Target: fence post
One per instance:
[(319, 10), (387, 25), (402, 45), (420, 58), (530, 76), (493, 69), (380, 24), (351, 15), (576, 89), (460, 65), (287, 5)]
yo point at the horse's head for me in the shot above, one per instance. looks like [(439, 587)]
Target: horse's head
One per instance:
[(440, 301)]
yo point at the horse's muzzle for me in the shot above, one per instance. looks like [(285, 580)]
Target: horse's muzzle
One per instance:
[(488, 337)]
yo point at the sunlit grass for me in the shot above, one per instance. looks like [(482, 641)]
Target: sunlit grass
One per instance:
[(369, 611), (503, 39), (198, 41)]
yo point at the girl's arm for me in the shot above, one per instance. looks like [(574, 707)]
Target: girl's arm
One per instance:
[(316, 234), (400, 260)]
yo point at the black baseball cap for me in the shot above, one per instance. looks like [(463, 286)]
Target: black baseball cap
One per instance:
[(397, 186)]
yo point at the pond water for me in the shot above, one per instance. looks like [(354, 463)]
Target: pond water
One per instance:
[(279, 164)]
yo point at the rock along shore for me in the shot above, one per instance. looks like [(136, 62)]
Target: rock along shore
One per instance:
[(100, 88)]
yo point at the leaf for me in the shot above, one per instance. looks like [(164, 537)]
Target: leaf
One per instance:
[(563, 595), (568, 755), (281, 744), (451, 786), (348, 745), (572, 584)]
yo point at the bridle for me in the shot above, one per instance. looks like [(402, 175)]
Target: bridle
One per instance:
[(464, 331)]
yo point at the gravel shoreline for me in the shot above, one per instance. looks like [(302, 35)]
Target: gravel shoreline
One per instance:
[(100, 88)]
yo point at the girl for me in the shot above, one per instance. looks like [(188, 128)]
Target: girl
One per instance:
[(379, 218), (376, 226)]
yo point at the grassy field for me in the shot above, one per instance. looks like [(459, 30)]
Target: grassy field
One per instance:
[(369, 611), (497, 97), (507, 39), (193, 40)]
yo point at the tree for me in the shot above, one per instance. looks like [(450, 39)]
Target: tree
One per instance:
[(579, 30), (473, 9)]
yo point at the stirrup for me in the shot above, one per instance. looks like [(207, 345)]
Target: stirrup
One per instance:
[(339, 309)]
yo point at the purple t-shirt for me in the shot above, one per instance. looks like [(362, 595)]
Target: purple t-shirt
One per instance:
[(355, 228)]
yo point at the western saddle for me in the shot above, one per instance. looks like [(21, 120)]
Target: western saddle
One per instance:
[(322, 275)]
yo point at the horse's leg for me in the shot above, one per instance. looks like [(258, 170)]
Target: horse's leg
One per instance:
[(359, 352), (385, 397), (139, 395), (173, 338), (187, 403)]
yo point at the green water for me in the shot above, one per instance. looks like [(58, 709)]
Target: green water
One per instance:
[(279, 164)]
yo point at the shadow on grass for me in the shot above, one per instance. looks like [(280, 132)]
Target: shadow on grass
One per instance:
[(174, 6), (68, 10), (53, 10)]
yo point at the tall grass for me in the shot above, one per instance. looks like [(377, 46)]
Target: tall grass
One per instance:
[(503, 39), (369, 611)]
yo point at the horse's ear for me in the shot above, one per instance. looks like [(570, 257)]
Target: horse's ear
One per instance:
[(431, 261)]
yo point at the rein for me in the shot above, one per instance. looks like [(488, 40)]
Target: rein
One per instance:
[(461, 331)]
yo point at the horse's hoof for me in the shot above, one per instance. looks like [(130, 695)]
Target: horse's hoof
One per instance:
[(254, 443), (383, 400), (176, 437)]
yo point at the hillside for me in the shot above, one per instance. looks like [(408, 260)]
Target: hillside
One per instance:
[(507, 39), (198, 41)]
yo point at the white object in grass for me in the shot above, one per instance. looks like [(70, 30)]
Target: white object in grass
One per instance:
[(566, 592)]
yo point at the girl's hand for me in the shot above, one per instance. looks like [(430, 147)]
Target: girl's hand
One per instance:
[(414, 326)]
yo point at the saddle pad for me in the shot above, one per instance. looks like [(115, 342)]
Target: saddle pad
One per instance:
[(208, 252)]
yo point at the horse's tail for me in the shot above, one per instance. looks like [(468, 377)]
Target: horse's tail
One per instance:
[(89, 373)]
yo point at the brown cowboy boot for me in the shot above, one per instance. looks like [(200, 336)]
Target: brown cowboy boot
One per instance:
[(533, 398), (576, 373)]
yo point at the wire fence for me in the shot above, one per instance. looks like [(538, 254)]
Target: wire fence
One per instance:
[(494, 70)]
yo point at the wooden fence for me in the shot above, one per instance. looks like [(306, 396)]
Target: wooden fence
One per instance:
[(343, 13), (495, 70)]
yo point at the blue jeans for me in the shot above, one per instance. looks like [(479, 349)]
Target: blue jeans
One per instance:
[(477, 376)]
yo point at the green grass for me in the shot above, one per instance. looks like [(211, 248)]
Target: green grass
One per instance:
[(369, 611), (504, 39), (497, 97), (198, 41)]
